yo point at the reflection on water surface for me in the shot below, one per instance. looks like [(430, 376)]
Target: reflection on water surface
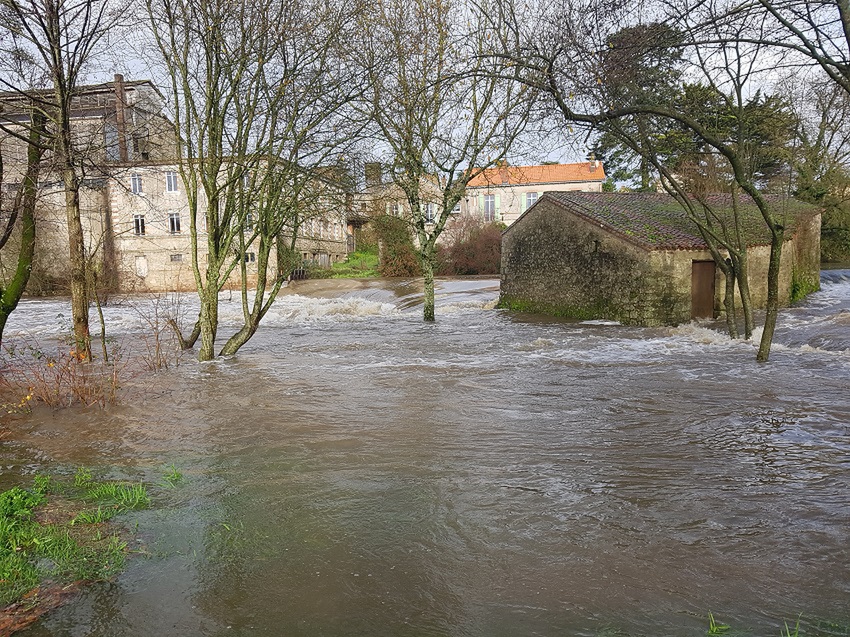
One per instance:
[(354, 471)]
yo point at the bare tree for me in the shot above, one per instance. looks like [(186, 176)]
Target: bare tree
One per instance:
[(443, 107), (806, 33), (259, 98), (52, 43)]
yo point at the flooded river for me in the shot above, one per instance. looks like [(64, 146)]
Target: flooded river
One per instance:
[(353, 471)]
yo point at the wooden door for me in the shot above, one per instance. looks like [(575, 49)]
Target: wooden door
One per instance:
[(702, 289)]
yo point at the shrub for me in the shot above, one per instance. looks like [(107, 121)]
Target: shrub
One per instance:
[(470, 246), (29, 374), (398, 254)]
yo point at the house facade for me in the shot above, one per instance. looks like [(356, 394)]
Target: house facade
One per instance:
[(134, 207), (505, 192), (636, 258), (151, 222)]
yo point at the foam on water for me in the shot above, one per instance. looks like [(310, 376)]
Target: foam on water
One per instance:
[(298, 309), (536, 345), (814, 327)]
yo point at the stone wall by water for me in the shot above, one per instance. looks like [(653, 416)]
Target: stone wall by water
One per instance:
[(557, 263)]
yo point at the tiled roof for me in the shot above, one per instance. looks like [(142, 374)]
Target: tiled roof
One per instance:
[(545, 174), (657, 222)]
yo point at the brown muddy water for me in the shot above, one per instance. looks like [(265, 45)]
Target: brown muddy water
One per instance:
[(353, 471)]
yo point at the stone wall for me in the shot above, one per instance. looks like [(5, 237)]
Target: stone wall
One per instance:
[(556, 263), (806, 270)]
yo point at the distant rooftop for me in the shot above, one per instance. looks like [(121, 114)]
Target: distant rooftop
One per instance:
[(656, 221), (542, 174)]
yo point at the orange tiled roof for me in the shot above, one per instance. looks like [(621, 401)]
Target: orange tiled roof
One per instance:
[(545, 174)]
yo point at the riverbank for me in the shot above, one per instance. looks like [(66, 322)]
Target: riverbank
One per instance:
[(57, 536)]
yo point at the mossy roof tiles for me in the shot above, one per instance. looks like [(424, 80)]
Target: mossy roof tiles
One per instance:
[(656, 221)]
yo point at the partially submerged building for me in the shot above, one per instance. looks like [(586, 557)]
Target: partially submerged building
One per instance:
[(638, 259)]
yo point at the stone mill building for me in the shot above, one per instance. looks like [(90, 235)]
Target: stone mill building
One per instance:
[(638, 259)]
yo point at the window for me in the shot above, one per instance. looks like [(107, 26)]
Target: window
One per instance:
[(456, 209), (176, 258), (174, 222), (489, 208), (142, 266), (110, 140), (136, 184), (430, 213), (139, 224), (249, 221), (530, 199), (395, 209), (250, 257), (171, 181)]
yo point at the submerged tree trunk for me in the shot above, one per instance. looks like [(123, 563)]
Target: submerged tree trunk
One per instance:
[(99, 307), (208, 321), (240, 338), (729, 298), (11, 294), (428, 274), (739, 262), (187, 342), (772, 307)]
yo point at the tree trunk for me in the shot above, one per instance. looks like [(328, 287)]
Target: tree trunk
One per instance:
[(729, 301), (208, 321), (428, 274), (741, 272), (77, 249), (240, 338), (644, 175), (772, 309), (11, 294)]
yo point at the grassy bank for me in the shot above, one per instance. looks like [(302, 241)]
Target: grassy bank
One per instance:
[(359, 265), (55, 536)]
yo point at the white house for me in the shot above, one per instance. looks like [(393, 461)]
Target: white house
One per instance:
[(503, 193)]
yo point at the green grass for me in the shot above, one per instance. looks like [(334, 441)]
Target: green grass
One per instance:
[(715, 628), (357, 265), (54, 531), (172, 477)]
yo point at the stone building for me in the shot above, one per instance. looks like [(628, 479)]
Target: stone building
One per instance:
[(133, 204), (150, 212), (114, 124), (636, 258)]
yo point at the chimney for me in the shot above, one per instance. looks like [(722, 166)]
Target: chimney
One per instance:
[(374, 174), (120, 117)]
